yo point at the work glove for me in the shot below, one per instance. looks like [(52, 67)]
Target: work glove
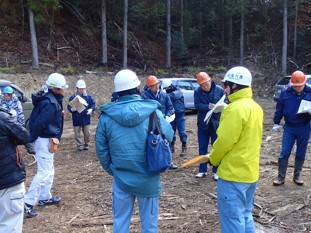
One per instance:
[(89, 111), (73, 109), (220, 107), (170, 118), (276, 127)]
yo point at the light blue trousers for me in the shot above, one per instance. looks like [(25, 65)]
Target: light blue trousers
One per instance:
[(122, 210), (235, 204)]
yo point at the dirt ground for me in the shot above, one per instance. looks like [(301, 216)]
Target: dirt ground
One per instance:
[(187, 204)]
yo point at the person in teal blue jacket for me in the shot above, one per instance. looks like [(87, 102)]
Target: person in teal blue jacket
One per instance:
[(121, 147)]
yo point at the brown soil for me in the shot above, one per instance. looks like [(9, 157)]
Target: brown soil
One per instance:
[(187, 204)]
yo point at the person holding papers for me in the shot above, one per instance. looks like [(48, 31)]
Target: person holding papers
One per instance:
[(296, 127), (81, 114), (205, 98)]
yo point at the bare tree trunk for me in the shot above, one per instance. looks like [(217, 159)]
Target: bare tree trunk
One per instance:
[(104, 33), (182, 19), (34, 44), (125, 34), (230, 38), (168, 34), (284, 48), (295, 30), (242, 40), (200, 24)]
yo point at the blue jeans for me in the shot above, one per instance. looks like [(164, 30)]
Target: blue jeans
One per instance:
[(180, 123), (235, 204), (122, 210), (291, 134), (203, 137)]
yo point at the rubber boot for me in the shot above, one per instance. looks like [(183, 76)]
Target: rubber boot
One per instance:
[(172, 147), (297, 170), (282, 172), (183, 149)]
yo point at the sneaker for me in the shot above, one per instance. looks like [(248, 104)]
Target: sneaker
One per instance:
[(215, 177), (200, 174), (80, 148), (86, 147), (173, 166), (51, 201), (29, 211)]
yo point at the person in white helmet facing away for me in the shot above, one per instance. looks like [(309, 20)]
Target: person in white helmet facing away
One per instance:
[(121, 138), (82, 120), (12, 104), (179, 123), (236, 153), (46, 122)]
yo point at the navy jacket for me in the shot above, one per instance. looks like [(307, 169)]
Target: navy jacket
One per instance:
[(46, 119), (177, 98), (163, 98), (288, 105), (201, 101), (12, 166), (79, 119)]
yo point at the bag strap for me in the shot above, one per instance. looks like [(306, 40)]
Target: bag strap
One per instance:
[(153, 117)]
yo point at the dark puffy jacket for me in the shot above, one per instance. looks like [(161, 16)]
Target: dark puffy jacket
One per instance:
[(288, 105), (177, 98), (201, 101), (82, 118), (46, 119), (163, 98), (12, 166)]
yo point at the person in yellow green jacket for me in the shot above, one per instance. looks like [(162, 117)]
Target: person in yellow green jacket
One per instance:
[(236, 153)]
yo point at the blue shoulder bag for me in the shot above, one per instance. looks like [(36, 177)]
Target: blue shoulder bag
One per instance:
[(158, 149)]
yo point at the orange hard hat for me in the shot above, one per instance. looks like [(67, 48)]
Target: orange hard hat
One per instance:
[(202, 77), (152, 80), (298, 78)]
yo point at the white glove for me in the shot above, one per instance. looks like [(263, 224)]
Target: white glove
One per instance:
[(73, 109), (89, 111), (276, 127), (220, 107), (170, 118), (13, 113)]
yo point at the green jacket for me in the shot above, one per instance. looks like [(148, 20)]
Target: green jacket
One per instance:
[(236, 151)]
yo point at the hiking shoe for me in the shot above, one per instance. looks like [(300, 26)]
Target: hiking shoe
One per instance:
[(173, 166), (80, 148), (51, 201), (215, 177), (86, 147), (200, 174), (279, 181), (29, 211)]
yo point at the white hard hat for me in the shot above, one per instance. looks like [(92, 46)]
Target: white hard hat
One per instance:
[(239, 75), (166, 83), (81, 84), (57, 80), (125, 80)]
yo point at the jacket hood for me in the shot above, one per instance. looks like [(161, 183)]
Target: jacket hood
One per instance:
[(130, 110), (42, 94)]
